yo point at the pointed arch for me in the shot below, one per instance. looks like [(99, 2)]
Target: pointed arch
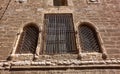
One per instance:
[(28, 39), (89, 41)]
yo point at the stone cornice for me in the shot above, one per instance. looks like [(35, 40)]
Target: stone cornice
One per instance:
[(71, 63)]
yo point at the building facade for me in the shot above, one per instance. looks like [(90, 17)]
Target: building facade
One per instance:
[(59, 36)]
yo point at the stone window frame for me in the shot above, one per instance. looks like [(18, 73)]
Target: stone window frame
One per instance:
[(103, 51), (16, 42)]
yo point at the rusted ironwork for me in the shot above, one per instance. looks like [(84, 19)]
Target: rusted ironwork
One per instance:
[(88, 39), (60, 35), (28, 40)]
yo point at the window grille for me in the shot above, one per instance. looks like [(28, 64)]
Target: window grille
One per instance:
[(28, 40), (60, 2), (88, 39), (60, 36)]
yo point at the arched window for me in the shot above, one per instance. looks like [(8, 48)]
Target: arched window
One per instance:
[(28, 40), (88, 39), (60, 2)]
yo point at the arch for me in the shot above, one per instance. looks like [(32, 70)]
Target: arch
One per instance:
[(88, 24), (31, 24), (89, 41), (28, 39)]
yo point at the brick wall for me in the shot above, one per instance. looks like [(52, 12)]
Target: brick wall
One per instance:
[(104, 15)]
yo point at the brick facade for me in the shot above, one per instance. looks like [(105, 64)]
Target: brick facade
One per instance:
[(103, 15)]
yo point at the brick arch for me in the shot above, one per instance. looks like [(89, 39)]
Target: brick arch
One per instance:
[(31, 24), (90, 24)]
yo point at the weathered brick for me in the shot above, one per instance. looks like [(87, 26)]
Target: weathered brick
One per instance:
[(104, 16)]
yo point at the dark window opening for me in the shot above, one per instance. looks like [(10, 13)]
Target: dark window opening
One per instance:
[(93, 0), (60, 2), (28, 40), (60, 35), (88, 39)]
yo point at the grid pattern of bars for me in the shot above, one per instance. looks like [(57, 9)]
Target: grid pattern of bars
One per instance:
[(89, 40), (60, 36), (60, 2), (28, 40)]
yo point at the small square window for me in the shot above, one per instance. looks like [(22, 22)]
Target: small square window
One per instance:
[(60, 2), (21, 1), (93, 1)]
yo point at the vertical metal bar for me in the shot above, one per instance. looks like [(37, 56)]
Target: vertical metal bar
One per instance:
[(62, 33), (66, 34), (58, 28), (55, 34)]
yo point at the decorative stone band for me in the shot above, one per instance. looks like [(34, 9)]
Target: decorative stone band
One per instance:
[(114, 63)]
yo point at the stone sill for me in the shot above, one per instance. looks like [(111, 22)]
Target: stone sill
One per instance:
[(85, 56), (58, 56), (29, 57)]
